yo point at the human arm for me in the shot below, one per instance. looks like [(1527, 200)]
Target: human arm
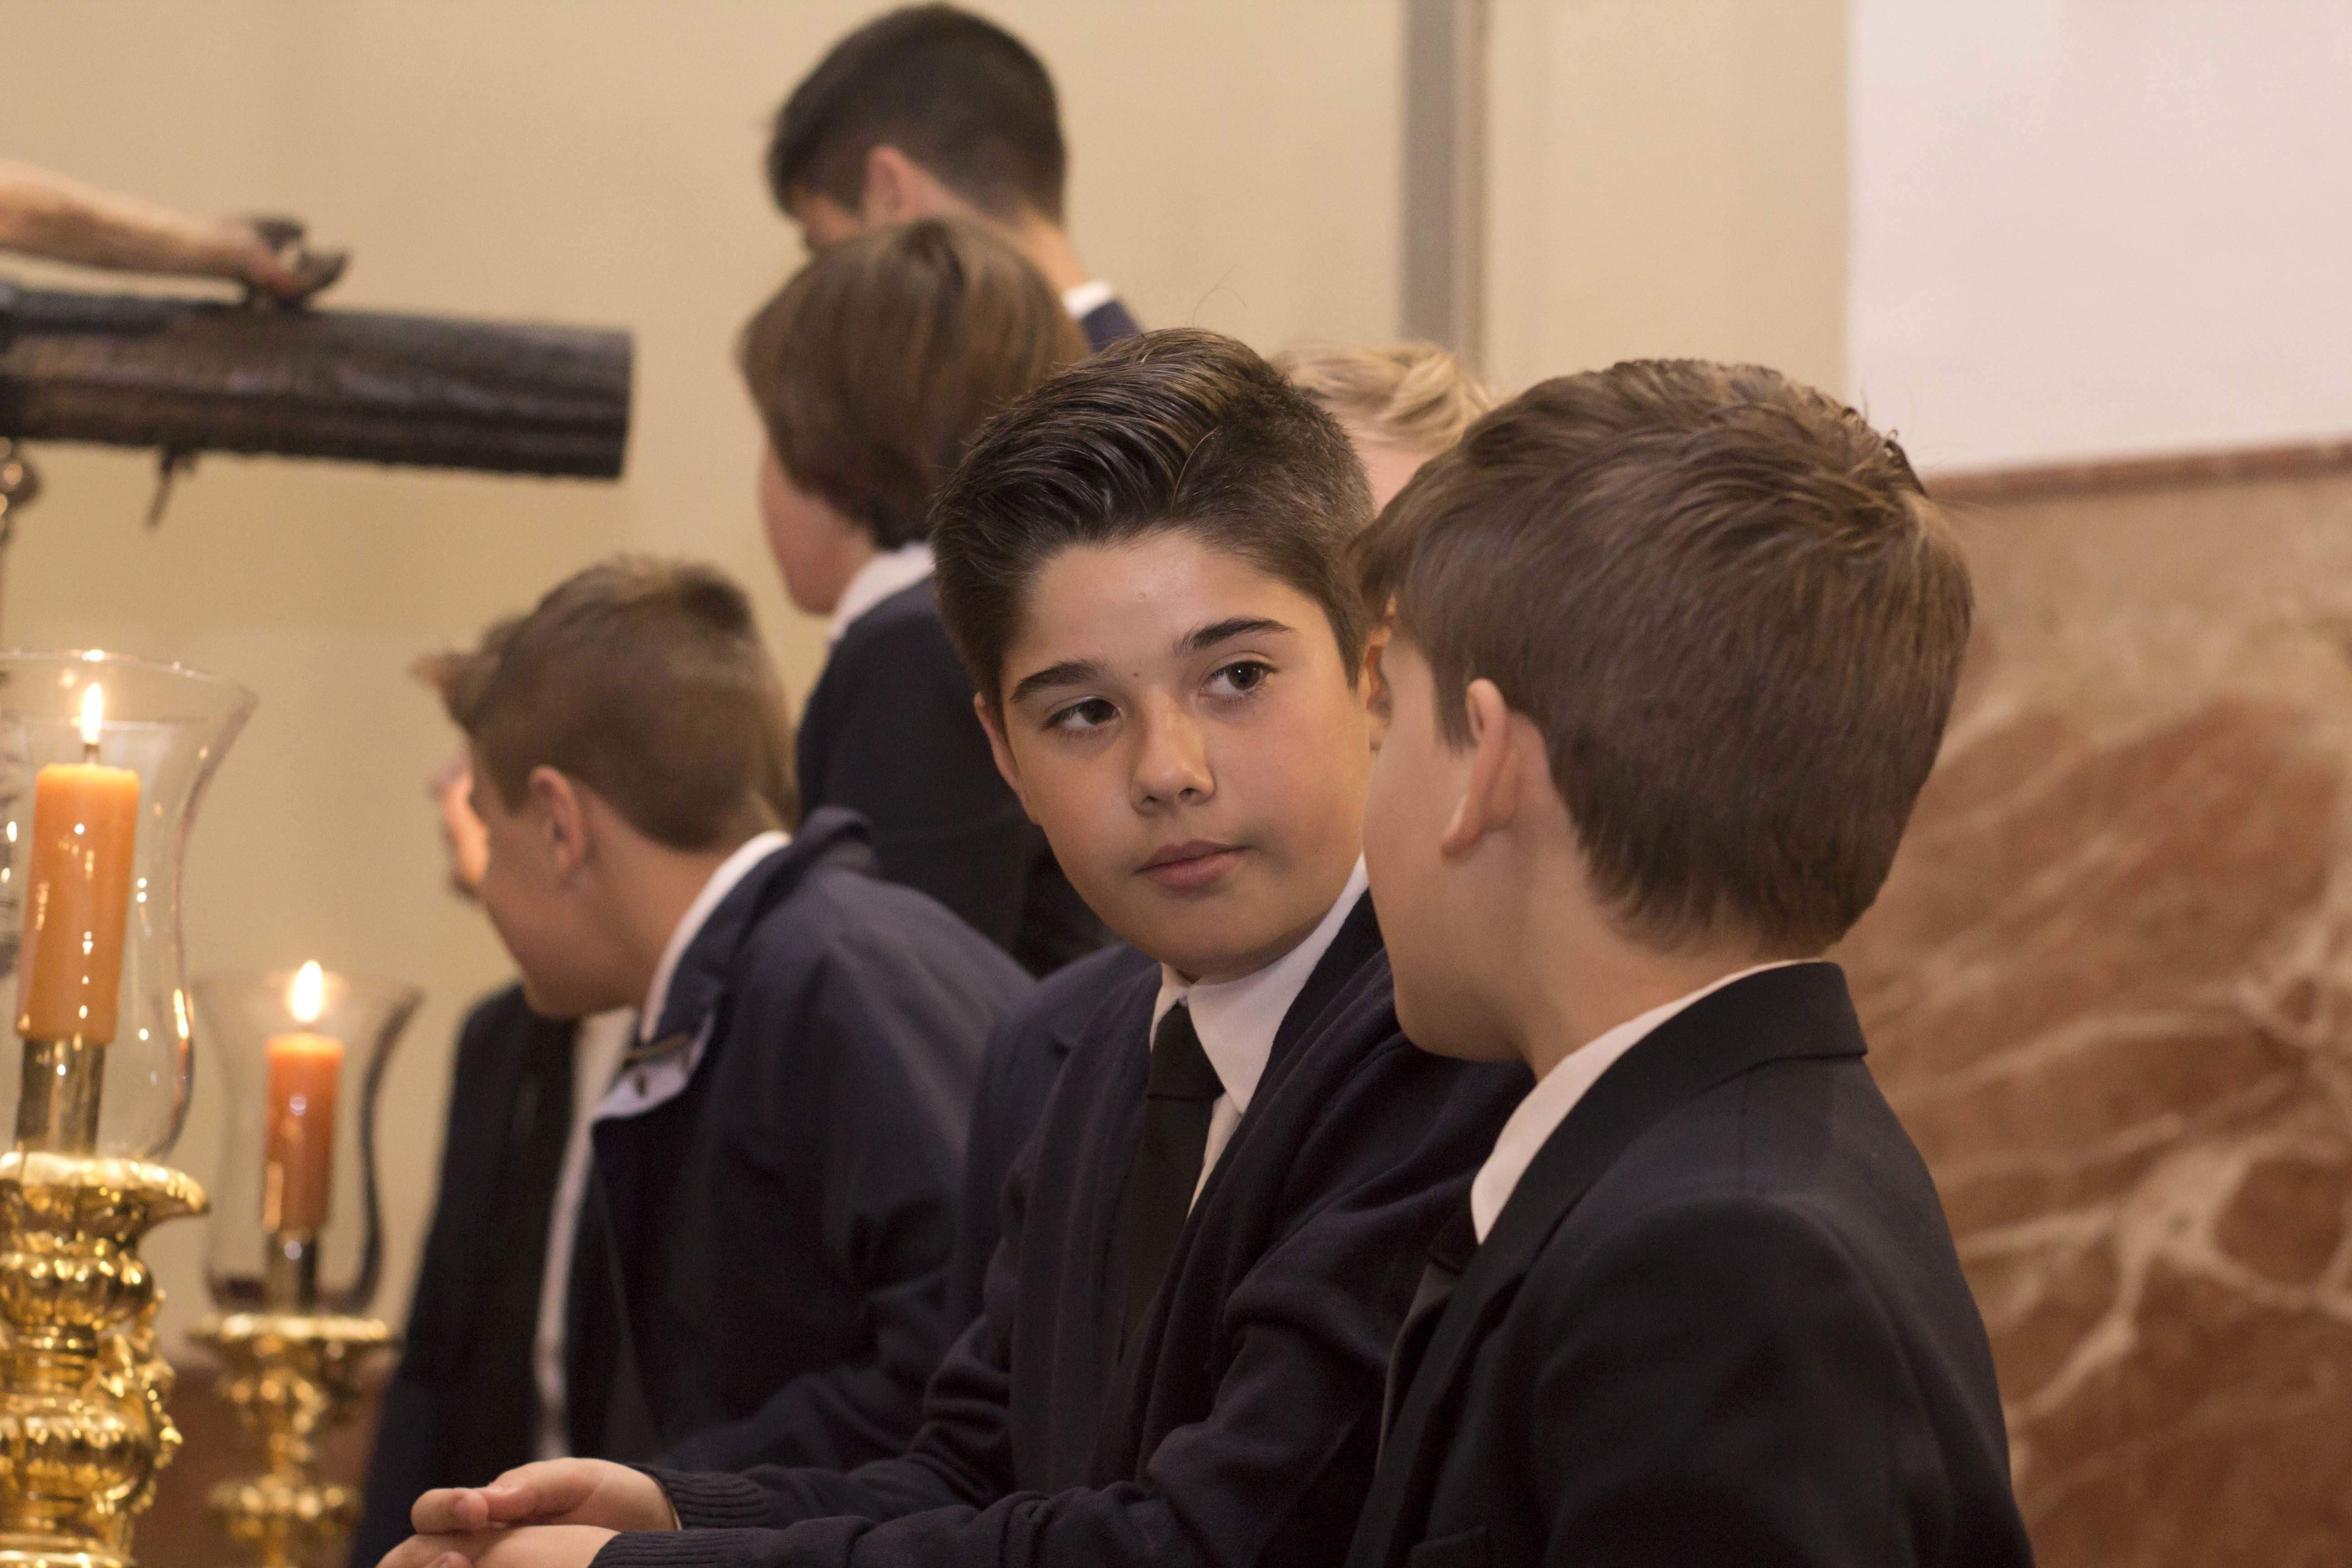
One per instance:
[(1262, 1454), (858, 1118), (62, 219)]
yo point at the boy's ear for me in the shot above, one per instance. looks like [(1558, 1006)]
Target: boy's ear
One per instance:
[(897, 188), (1490, 797), (1377, 700), (993, 724), (558, 819)]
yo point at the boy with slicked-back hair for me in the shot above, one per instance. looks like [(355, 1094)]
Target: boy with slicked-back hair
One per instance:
[(1212, 1238), (931, 111), (1674, 647), (762, 1242)]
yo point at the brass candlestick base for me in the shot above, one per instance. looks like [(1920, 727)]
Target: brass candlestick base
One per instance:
[(292, 1377), (82, 1427)]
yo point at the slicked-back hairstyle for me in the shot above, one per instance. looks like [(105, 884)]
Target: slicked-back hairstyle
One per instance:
[(1178, 430), (1415, 395), (875, 363), (646, 682), (956, 93), (1730, 608)]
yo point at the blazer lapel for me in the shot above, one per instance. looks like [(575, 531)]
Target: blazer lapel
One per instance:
[(1780, 1015), (1355, 943)]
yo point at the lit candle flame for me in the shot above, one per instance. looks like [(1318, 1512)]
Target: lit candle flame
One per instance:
[(94, 714), (307, 997)]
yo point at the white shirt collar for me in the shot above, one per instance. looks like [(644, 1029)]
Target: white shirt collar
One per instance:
[(731, 871), (875, 581), (1556, 1094), (1085, 299), (1236, 1019)]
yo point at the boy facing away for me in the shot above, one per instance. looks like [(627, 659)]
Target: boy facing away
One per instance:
[(1212, 1239), (931, 111), (1673, 647), (762, 1247), (871, 369)]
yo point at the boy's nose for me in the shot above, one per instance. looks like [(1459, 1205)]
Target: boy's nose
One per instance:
[(1171, 763)]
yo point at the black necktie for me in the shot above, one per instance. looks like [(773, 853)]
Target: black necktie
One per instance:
[(1177, 1100), (1449, 1255)]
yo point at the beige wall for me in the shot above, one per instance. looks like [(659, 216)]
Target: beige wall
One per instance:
[(597, 163), (1667, 177)]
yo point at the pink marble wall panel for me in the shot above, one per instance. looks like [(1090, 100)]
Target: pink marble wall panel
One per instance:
[(2109, 990)]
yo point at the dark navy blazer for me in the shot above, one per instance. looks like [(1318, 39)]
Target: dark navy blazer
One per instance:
[(463, 1405), (1719, 1321), (1016, 1076), (889, 732), (1241, 1426), (1109, 323), (762, 1267)]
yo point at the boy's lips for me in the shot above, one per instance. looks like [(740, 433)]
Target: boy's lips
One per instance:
[(1191, 865)]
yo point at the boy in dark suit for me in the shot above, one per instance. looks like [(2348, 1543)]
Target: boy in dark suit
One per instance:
[(871, 368), (1213, 1235), (931, 112), (762, 1249), (1674, 644)]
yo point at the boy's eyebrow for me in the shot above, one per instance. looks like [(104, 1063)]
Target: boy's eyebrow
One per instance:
[(1215, 632), (1083, 671), (1070, 672)]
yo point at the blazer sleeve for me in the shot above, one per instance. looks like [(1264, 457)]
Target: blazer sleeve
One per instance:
[(1720, 1384), (1272, 1472), (890, 1055)]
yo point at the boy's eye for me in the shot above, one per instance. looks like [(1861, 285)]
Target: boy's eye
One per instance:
[(1091, 714), (1240, 678)]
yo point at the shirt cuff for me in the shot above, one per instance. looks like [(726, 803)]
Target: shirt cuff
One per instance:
[(703, 1500)]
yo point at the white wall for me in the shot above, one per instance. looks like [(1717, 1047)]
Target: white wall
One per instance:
[(589, 161), (1667, 177), (2094, 227)]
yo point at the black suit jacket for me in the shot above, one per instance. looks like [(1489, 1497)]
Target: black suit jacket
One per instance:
[(762, 1271), (1240, 1427), (1720, 1321), (1024, 1056), (464, 1404), (1109, 323), (889, 732)]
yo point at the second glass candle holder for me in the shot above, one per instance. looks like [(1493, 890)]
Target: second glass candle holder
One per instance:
[(303, 1052)]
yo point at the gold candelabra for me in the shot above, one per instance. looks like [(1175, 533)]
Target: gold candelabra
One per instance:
[(294, 1348), (292, 1377), (102, 760), (83, 1429)]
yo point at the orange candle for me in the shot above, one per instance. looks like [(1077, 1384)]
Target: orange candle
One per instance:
[(304, 1069), (76, 893)]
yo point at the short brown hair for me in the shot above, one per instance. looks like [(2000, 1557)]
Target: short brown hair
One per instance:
[(873, 366), (644, 680), (1171, 431), (955, 92), (1415, 395), (1729, 606)]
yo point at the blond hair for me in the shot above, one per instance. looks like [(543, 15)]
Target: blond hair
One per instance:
[(1414, 395)]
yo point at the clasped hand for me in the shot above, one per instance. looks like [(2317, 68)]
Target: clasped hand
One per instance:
[(555, 1514)]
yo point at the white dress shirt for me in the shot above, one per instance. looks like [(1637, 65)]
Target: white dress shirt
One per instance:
[(598, 1048), (880, 577), (1539, 1116), (1236, 1019), (1084, 300)]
